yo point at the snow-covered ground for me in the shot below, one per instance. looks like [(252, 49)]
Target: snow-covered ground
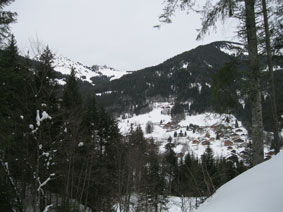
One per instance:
[(194, 132), (275, 68), (181, 204), (259, 189)]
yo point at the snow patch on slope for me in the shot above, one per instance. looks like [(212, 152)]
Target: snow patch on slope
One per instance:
[(209, 65), (232, 49), (109, 72), (64, 66), (185, 65), (196, 85)]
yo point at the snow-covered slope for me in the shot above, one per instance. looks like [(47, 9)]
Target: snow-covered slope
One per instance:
[(109, 72), (259, 189), (194, 133), (63, 65)]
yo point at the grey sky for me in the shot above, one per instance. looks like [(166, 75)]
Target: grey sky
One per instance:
[(117, 33)]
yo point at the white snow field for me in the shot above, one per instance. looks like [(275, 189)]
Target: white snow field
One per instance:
[(195, 141), (259, 189)]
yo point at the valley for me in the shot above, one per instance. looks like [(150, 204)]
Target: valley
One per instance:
[(118, 113), (147, 96)]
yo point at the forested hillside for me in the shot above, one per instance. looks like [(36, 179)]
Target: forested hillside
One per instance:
[(206, 79)]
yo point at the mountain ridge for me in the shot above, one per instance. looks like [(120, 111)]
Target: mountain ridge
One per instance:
[(179, 76), (187, 78)]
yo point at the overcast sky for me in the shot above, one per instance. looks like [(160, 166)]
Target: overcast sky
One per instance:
[(117, 33)]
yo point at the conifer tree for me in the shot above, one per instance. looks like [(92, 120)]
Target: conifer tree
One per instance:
[(11, 90), (208, 170), (44, 129), (7, 18), (10, 81), (192, 177), (223, 88), (170, 163), (71, 96), (156, 185), (71, 139)]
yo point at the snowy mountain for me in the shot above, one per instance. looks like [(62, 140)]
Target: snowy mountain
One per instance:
[(188, 78), (257, 190), (63, 65)]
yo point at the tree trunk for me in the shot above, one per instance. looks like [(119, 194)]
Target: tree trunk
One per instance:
[(255, 94), (276, 141), (12, 185)]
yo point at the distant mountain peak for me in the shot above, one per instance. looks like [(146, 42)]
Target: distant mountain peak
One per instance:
[(64, 65)]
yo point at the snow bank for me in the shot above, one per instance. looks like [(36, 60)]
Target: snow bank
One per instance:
[(259, 189)]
